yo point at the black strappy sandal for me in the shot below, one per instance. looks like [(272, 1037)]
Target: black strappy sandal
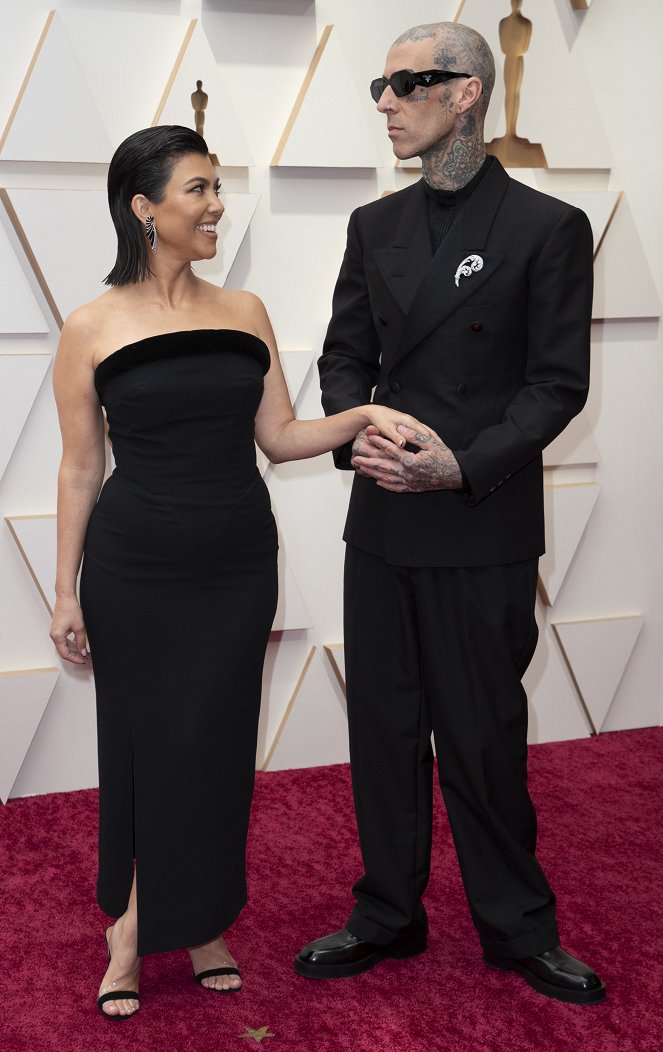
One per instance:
[(116, 995), (218, 971)]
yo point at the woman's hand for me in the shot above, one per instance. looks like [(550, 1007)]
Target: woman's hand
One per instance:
[(388, 421), (68, 632)]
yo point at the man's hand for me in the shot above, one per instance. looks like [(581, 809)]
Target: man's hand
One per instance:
[(398, 470), (363, 447)]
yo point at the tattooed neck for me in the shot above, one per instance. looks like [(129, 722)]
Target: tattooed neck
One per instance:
[(452, 162)]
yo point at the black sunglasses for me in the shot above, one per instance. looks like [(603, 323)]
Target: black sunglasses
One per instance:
[(404, 81)]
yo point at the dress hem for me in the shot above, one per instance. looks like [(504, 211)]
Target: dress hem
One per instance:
[(198, 938)]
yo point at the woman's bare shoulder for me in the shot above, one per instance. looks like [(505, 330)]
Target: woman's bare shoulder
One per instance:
[(86, 319), (94, 328), (239, 309), (79, 329), (233, 299)]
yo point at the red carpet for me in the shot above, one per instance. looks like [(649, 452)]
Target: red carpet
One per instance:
[(599, 806)]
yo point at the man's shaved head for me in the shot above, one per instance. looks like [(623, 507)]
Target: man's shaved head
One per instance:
[(459, 49)]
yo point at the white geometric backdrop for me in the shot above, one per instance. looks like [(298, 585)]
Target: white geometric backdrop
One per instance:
[(300, 145)]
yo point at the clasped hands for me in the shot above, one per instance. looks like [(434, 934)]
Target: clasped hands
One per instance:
[(400, 470)]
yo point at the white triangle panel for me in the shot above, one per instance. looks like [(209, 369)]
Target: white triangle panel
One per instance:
[(221, 130), (575, 140), (598, 652), (62, 755), (296, 367), (55, 118), (21, 376), (314, 730), (143, 46), (321, 133), (232, 229), (19, 310), (35, 537), (285, 658), (555, 712), (73, 240), (623, 284), (335, 654), (567, 512), (24, 696), (575, 445), (291, 612)]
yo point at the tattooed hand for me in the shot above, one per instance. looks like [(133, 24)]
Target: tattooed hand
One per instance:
[(398, 470), (363, 447)]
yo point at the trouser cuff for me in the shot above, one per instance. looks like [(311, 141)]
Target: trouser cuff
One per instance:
[(526, 946), (369, 931)]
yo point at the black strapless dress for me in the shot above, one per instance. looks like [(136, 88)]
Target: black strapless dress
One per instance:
[(178, 589)]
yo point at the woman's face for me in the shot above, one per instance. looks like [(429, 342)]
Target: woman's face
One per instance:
[(187, 216)]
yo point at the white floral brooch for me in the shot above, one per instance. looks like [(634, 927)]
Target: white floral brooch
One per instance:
[(468, 266)]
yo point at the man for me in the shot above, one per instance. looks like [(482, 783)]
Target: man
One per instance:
[(465, 300)]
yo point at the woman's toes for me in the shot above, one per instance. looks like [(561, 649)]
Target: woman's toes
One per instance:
[(222, 982), (214, 954), (121, 1007)]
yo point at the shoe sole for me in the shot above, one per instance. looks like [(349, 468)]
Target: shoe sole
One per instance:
[(344, 971), (578, 997)]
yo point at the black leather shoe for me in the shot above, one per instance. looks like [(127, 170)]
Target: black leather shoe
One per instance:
[(554, 973), (343, 954)]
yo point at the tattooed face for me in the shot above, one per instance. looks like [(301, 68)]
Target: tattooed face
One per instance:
[(419, 121)]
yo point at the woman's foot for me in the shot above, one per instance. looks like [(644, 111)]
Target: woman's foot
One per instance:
[(210, 955), (123, 972)]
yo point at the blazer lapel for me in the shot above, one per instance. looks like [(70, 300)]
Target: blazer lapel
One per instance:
[(452, 275), (404, 266)]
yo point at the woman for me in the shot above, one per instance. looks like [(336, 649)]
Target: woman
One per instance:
[(178, 588)]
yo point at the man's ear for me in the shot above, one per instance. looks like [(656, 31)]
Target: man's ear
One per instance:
[(472, 92), (140, 206)]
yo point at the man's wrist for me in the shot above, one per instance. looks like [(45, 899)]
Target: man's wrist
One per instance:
[(463, 485)]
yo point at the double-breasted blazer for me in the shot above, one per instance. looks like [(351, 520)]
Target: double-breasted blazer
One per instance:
[(491, 352)]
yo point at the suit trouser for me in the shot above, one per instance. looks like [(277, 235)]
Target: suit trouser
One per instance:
[(443, 649)]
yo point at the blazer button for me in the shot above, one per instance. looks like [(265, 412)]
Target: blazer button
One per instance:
[(462, 389), (476, 326), (394, 386), (383, 321)]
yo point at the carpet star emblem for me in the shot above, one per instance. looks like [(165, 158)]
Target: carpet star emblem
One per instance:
[(257, 1035)]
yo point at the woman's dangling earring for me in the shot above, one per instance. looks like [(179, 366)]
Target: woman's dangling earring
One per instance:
[(151, 233)]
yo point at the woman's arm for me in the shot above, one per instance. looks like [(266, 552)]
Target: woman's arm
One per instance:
[(281, 437), (79, 479)]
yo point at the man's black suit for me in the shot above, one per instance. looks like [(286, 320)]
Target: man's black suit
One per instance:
[(487, 342)]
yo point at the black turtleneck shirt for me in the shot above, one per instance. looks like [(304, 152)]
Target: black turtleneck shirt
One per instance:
[(444, 206)]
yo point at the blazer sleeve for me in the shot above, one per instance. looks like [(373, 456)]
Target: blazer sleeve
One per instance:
[(350, 360), (556, 380)]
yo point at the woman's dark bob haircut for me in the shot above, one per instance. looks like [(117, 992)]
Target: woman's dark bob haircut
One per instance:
[(142, 164)]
